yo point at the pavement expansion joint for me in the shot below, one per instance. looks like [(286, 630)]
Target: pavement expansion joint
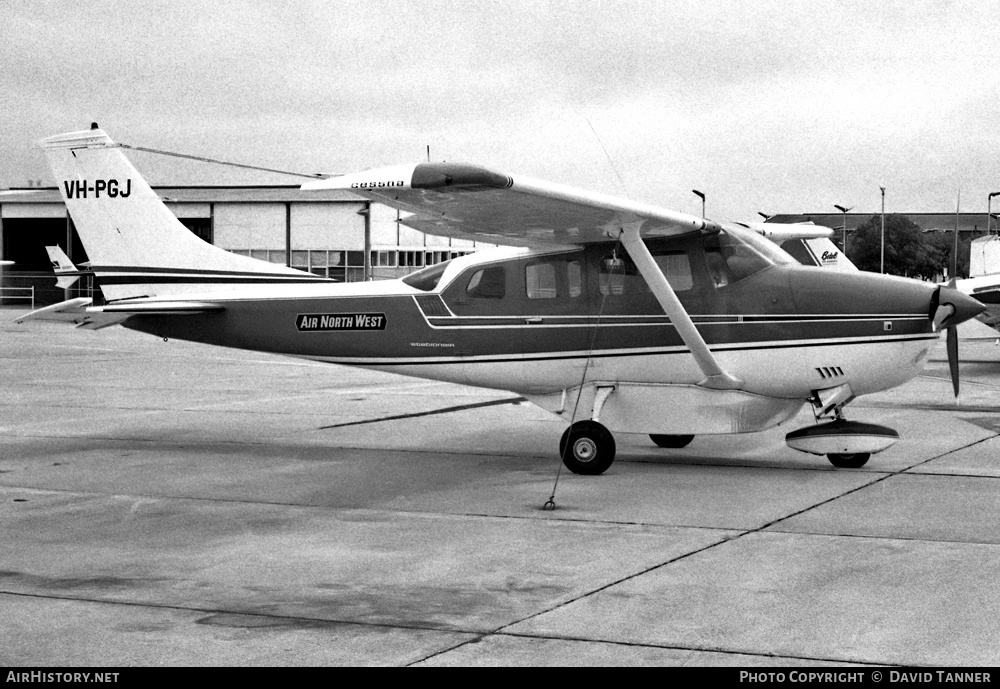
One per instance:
[(692, 647)]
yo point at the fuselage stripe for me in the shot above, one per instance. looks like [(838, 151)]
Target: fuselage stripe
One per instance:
[(488, 359)]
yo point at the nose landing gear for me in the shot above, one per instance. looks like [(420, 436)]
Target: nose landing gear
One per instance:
[(846, 444)]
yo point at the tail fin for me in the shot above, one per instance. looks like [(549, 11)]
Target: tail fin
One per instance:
[(62, 265), (135, 244)]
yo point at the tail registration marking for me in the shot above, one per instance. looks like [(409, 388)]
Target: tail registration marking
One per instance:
[(78, 188)]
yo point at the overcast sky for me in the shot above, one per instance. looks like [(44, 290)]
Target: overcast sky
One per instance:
[(764, 106)]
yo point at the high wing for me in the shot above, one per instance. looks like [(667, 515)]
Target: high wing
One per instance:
[(470, 202), (780, 232)]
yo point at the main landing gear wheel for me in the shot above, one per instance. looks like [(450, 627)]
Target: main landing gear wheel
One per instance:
[(671, 441), (849, 461), (588, 448)]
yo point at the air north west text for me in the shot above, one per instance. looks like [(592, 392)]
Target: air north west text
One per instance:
[(325, 322)]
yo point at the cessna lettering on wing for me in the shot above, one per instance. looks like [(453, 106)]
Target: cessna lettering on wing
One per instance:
[(78, 188), (325, 322), (373, 185)]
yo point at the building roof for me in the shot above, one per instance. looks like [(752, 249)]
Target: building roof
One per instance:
[(225, 194), (967, 222)]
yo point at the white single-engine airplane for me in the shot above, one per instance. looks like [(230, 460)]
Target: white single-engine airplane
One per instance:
[(613, 315)]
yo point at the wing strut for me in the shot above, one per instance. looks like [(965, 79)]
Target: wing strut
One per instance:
[(715, 376)]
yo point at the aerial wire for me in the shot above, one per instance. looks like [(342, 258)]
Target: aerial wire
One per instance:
[(551, 503), (603, 148), (201, 159)]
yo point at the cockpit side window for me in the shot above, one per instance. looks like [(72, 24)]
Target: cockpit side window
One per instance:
[(733, 255), (718, 270), (488, 283)]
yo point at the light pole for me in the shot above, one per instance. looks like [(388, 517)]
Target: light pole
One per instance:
[(844, 226), (882, 259), (989, 202), (702, 197)]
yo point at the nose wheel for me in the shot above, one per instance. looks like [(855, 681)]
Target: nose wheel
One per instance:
[(587, 448)]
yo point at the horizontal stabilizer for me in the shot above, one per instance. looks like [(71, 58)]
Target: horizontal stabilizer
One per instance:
[(73, 311), (62, 265), (80, 312)]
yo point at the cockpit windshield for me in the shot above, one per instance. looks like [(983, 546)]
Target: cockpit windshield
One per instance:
[(427, 278), (735, 254)]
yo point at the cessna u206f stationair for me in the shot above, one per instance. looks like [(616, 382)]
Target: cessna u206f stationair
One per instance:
[(614, 315)]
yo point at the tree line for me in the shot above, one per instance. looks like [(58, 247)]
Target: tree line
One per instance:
[(909, 251)]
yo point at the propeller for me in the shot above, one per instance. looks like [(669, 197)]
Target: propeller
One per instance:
[(952, 344), (949, 307)]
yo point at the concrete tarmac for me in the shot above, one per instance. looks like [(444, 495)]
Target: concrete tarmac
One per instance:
[(166, 503)]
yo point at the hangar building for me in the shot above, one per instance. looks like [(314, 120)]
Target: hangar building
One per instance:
[(323, 232)]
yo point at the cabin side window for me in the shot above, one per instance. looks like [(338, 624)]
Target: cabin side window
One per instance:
[(619, 275), (488, 283), (553, 279), (540, 281), (677, 268), (575, 276)]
